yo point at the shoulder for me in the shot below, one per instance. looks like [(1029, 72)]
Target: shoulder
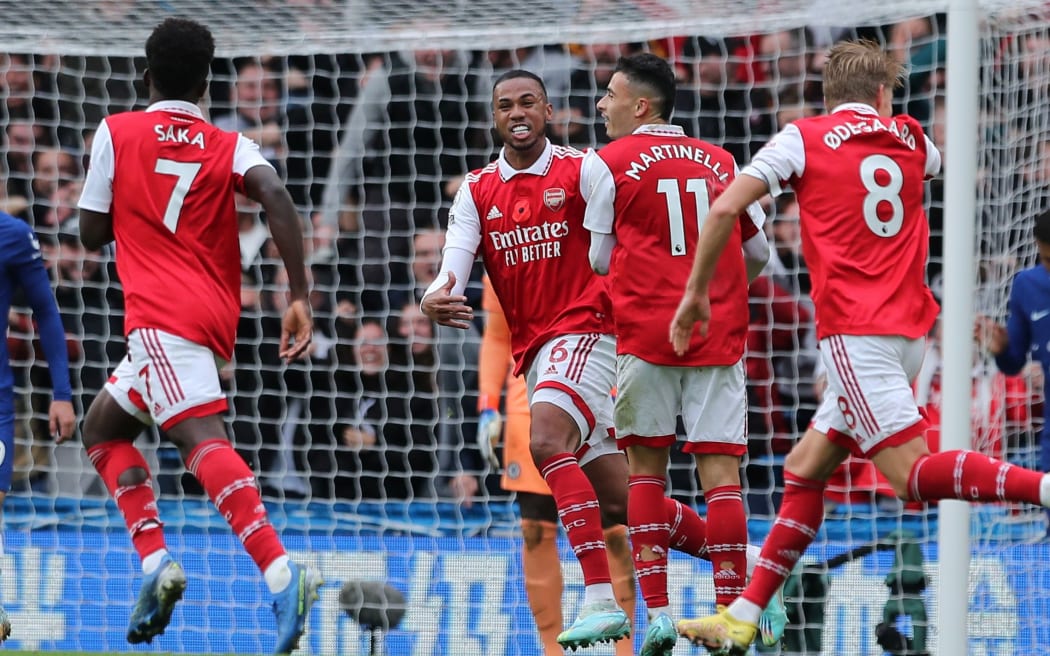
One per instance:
[(120, 118), (483, 173), (567, 152), (1029, 276), (11, 225), (16, 233)]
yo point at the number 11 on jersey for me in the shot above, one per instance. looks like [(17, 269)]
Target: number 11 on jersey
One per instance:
[(669, 188)]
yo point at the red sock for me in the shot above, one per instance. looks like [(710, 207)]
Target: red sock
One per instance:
[(231, 486), (727, 541), (650, 535), (688, 529), (578, 510), (801, 513), (137, 503), (971, 476)]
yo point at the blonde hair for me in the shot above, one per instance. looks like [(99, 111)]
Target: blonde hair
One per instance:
[(854, 71)]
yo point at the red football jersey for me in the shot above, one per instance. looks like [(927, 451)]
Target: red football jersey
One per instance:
[(859, 179), (171, 180), (661, 183), (527, 226)]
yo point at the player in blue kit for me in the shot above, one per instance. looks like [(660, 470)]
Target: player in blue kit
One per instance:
[(1027, 328), (23, 270)]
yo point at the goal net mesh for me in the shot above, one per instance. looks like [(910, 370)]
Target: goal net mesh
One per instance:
[(372, 111)]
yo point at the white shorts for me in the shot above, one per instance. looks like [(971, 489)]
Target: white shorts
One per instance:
[(164, 379), (577, 373), (869, 403), (711, 400)]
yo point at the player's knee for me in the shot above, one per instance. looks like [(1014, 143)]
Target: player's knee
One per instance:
[(552, 431), (614, 512), (544, 445), (531, 533)]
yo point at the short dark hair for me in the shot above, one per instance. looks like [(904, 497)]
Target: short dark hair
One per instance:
[(654, 72), (1041, 229), (179, 54), (516, 73)]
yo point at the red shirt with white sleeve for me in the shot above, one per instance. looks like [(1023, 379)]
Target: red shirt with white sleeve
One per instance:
[(527, 226), (859, 179), (168, 179), (651, 190)]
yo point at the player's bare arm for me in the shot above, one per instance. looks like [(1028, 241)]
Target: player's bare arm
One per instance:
[(446, 308), (695, 306), (264, 186), (96, 229)]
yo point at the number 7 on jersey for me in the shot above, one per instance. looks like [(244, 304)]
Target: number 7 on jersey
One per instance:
[(186, 172)]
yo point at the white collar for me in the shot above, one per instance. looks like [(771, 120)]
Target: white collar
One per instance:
[(177, 106), (860, 108), (539, 167), (660, 129)]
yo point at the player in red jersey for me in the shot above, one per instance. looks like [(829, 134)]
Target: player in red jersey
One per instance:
[(161, 184), (523, 214), (858, 174), (647, 194)]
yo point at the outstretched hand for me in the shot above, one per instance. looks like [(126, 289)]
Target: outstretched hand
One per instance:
[(297, 331), (694, 308), (448, 310), (61, 420)]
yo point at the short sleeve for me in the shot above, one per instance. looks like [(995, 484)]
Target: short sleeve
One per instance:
[(97, 195), (598, 188)]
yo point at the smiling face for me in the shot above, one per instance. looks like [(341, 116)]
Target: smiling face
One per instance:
[(619, 107), (370, 348), (520, 112)]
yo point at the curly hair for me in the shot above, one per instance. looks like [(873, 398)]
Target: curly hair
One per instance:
[(179, 54)]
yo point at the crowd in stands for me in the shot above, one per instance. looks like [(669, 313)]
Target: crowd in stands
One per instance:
[(373, 148)]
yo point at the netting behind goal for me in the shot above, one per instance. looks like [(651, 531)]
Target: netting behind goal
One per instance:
[(371, 111)]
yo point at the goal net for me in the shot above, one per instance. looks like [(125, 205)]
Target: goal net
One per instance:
[(371, 111)]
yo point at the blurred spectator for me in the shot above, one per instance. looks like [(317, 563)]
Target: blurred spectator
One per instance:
[(257, 111), (787, 245), (53, 168), (23, 137), (579, 124), (385, 427), (419, 123), (553, 63), (709, 104)]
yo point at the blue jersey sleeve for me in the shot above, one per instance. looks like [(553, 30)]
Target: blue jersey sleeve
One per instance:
[(26, 267), (1019, 330)]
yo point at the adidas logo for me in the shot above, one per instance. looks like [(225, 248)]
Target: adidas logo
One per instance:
[(494, 213), (551, 371)]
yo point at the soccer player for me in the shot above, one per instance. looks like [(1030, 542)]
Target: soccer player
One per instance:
[(24, 270), (161, 184), (858, 175), (539, 516), (647, 194), (1028, 325), (523, 214)]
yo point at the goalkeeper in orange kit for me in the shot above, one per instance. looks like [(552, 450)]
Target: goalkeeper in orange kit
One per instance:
[(539, 516)]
